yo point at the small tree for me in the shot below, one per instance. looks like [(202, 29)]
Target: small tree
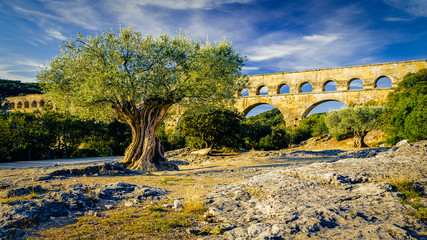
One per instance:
[(358, 119), (137, 80), (214, 128), (405, 113)]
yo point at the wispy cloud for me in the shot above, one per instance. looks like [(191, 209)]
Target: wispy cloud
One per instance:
[(250, 68), (182, 4), (397, 19), (79, 12), (341, 38), (55, 34), (18, 69), (291, 47), (45, 21), (414, 7)]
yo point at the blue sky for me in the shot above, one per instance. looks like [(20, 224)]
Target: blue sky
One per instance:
[(276, 36)]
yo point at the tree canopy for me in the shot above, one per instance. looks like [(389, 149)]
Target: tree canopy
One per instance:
[(139, 78), (356, 119), (405, 114), (216, 127)]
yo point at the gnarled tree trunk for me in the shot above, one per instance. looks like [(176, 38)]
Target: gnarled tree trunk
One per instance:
[(145, 151), (358, 140)]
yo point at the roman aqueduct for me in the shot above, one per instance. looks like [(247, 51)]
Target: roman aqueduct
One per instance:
[(296, 104)]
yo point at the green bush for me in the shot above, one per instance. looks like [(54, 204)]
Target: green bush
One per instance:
[(405, 114), (211, 127), (48, 134)]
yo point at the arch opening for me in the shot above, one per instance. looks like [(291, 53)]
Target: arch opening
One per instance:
[(262, 90), (283, 89), (41, 103), (383, 82), (355, 84), (244, 92), (34, 104), (256, 109), (305, 87), (12, 105), (323, 107), (19, 105), (26, 104), (329, 86)]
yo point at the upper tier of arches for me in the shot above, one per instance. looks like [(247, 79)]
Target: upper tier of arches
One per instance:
[(307, 86)]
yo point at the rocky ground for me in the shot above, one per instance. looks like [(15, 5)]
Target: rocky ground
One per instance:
[(289, 194)]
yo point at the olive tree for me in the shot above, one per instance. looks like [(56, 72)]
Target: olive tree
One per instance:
[(357, 119), (137, 79)]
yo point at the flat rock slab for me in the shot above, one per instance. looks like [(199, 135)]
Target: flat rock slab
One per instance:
[(76, 200), (202, 152), (343, 199)]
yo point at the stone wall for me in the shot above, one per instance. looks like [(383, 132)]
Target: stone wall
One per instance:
[(27, 103)]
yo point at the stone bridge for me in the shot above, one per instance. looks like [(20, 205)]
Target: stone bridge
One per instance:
[(296, 104)]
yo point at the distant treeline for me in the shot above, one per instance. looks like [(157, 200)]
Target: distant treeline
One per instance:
[(12, 88)]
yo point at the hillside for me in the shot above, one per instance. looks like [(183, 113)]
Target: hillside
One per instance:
[(11, 88)]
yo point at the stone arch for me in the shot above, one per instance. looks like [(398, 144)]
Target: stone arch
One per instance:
[(26, 104), (303, 84), (34, 104), (283, 89), (261, 89), (357, 81), (308, 110), (41, 103), (12, 105), (329, 82), (388, 80), (7, 105), (19, 105)]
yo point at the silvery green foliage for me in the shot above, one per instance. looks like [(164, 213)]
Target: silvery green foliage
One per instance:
[(357, 119), (92, 74)]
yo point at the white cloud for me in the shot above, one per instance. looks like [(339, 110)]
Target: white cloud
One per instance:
[(340, 39), (250, 68), (181, 4), (397, 19), (322, 39), (55, 34), (414, 7), (44, 21), (292, 47), (80, 12), (18, 68)]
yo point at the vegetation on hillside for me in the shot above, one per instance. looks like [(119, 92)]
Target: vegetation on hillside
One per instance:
[(405, 115), (47, 134), (11, 88)]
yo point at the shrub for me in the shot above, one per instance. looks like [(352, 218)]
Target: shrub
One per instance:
[(405, 113)]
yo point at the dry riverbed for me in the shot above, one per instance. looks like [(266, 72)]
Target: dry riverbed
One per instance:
[(288, 194)]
